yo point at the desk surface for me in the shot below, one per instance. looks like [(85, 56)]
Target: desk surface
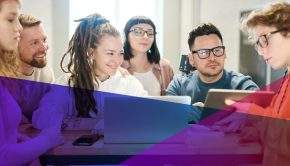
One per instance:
[(197, 145)]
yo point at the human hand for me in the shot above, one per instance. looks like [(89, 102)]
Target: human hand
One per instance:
[(198, 104), (54, 135), (231, 124), (241, 107), (22, 138)]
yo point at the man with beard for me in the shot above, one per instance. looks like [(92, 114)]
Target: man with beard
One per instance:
[(32, 49), (207, 55), (33, 69)]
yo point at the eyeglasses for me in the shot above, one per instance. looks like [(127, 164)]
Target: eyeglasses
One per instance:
[(205, 53), (139, 32), (263, 40)]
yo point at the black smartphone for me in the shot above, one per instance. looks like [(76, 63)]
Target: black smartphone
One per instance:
[(87, 140)]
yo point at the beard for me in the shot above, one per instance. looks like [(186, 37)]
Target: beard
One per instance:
[(35, 62), (212, 72), (41, 63)]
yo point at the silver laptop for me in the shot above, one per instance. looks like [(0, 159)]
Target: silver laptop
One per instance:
[(144, 120)]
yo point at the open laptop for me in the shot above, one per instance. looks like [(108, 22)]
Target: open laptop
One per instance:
[(130, 119)]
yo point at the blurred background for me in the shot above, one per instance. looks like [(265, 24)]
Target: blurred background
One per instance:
[(174, 20)]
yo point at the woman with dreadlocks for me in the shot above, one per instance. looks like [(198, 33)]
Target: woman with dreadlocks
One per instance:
[(94, 55)]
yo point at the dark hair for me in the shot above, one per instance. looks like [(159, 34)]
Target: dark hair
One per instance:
[(201, 30), (153, 54), (87, 35), (27, 20)]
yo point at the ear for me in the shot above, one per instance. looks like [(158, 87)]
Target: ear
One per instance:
[(191, 59)]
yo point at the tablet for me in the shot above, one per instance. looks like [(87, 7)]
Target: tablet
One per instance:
[(216, 97)]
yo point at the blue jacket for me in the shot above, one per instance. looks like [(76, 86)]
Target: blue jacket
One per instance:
[(191, 85)]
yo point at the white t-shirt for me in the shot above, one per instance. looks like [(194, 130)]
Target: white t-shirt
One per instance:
[(62, 108), (30, 94), (40, 75), (149, 82)]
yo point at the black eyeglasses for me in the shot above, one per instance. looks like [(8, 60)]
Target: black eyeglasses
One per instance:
[(205, 53), (263, 40), (139, 32)]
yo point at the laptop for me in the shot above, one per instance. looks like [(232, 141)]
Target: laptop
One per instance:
[(136, 120)]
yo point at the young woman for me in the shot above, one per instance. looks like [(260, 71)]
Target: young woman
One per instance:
[(94, 55), (269, 29), (15, 149), (142, 57)]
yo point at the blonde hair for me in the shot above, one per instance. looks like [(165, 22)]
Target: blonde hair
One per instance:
[(8, 59), (27, 20), (274, 15)]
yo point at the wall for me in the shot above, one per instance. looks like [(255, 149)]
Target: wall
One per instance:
[(54, 15), (180, 16), (43, 12), (225, 14)]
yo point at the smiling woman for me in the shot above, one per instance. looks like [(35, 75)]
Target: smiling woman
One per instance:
[(270, 31), (15, 149), (10, 35), (94, 55), (143, 58)]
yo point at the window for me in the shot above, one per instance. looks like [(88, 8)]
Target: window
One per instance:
[(119, 12)]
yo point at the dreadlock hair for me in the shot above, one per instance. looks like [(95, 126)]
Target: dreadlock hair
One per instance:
[(87, 36)]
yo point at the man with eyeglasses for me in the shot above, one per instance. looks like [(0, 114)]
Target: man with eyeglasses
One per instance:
[(207, 56)]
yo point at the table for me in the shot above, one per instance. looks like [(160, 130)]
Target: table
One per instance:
[(205, 148)]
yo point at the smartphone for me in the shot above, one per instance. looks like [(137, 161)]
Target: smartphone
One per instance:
[(87, 140)]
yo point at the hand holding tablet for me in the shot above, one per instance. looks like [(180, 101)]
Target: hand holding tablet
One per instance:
[(216, 98)]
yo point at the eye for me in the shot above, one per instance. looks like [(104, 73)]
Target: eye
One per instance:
[(202, 52), (138, 31), (34, 42), (110, 53), (150, 33)]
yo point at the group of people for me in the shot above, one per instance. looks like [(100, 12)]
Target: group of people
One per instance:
[(98, 60)]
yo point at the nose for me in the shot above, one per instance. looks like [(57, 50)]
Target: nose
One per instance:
[(44, 46), (117, 58), (145, 35), (211, 56)]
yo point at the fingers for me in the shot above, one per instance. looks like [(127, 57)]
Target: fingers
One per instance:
[(198, 104), (229, 102), (224, 121), (233, 127)]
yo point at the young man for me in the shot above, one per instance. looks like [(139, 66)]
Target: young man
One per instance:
[(32, 49), (207, 55)]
